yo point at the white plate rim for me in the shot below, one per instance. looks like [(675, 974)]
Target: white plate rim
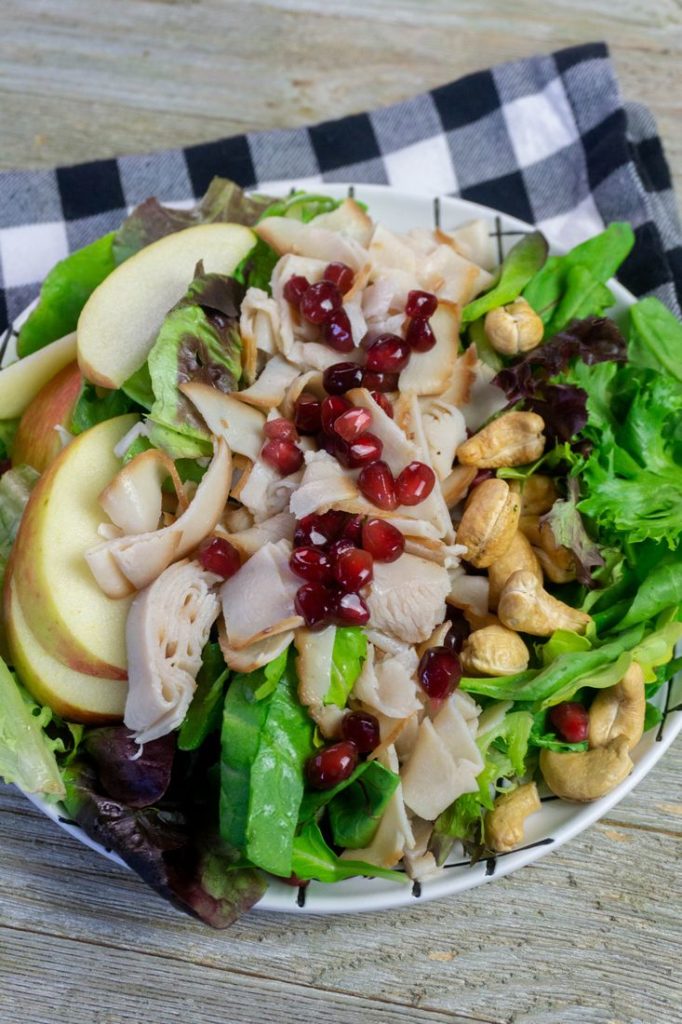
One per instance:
[(377, 894)]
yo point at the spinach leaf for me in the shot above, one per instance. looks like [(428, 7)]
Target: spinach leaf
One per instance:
[(661, 589), (655, 337), (270, 675), (520, 264), (350, 651), (276, 784), (601, 256), (65, 291), (205, 712), (243, 721), (301, 205), (583, 295), (312, 858), (355, 813), (8, 429)]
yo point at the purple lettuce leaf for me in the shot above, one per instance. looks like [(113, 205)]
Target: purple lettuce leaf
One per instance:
[(568, 529), (193, 871), (136, 781)]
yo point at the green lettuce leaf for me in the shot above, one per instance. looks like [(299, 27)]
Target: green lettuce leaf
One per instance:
[(521, 263), (301, 205), (312, 858), (350, 651), (94, 405), (27, 756), (655, 337), (584, 295), (661, 589), (204, 714), (64, 292), (601, 256), (199, 341)]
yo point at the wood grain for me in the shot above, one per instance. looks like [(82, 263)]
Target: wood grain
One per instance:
[(588, 935)]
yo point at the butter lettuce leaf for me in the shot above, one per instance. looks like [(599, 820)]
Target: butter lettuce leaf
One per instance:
[(27, 755)]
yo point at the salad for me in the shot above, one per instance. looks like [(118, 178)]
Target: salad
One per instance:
[(327, 550)]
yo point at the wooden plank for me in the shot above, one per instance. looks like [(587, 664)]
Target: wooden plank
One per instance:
[(143, 78)]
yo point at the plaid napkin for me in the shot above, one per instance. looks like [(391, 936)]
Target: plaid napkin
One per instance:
[(547, 139)]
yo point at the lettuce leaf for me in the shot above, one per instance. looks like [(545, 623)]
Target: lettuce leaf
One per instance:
[(63, 294), (193, 871), (224, 201), (350, 651), (661, 589), (137, 777), (568, 530), (8, 429), (94, 405), (27, 755), (518, 267), (15, 490), (300, 205), (312, 858), (355, 813)]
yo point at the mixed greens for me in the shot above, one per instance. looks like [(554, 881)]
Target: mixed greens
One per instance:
[(208, 809)]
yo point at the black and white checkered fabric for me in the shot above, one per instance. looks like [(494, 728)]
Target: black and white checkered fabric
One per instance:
[(547, 139)]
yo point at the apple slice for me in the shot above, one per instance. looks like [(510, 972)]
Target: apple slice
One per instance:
[(120, 320), (37, 442), (74, 695), (20, 382), (62, 603)]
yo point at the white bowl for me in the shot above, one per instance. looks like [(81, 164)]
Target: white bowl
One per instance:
[(557, 821)]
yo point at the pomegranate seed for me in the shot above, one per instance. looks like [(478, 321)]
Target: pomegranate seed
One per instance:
[(314, 602), (338, 548), (378, 486), (312, 564), (380, 381), (388, 354), (383, 402), (319, 529), (295, 289), (383, 540), (333, 407), (280, 430), (458, 632), (362, 451), (350, 610), (319, 301), (353, 569), (362, 729), (352, 531), (284, 456), (219, 556), (352, 423), (338, 333), (341, 377), (571, 721), (421, 305), (419, 336), (328, 443), (483, 474), (307, 414), (415, 483), (439, 672), (331, 765), (341, 275)]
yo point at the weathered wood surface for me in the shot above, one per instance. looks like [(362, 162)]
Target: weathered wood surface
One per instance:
[(590, 934)]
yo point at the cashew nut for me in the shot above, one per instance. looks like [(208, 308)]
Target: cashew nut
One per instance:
[(489, 522), (494, 651), (514, 328), (619, 710), (588, 774), (513, 439), (526, 607), (538, 494), (518, 556), (504, 824)]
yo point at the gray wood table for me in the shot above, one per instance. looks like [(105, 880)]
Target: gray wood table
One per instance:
[(589, 934)]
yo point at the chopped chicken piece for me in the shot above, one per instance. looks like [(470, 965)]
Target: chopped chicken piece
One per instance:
[(258, 601), (408, 597), (387, 685), (325, 484)]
